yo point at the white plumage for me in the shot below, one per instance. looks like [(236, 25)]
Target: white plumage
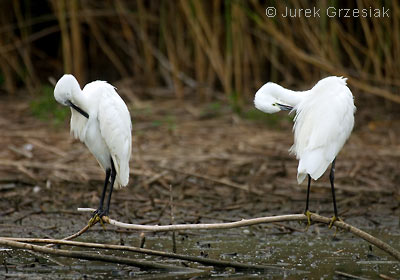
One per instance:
[(323, 122), (100, 119)]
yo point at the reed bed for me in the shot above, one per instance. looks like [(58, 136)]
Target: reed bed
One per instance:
[(203, 49)]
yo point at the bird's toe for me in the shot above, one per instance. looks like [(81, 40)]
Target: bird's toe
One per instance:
[(99, 215), (94, 219), (308, 214), (333, 220)]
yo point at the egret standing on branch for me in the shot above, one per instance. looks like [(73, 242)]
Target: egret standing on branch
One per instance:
[(323, 122), (101, 120)]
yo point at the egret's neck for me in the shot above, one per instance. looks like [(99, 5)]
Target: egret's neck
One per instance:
[(284, 95), (79, 99)]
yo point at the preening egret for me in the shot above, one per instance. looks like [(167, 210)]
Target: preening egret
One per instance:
[(323, 122), (101, 120)]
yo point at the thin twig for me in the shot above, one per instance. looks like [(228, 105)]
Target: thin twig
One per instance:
[(255, 221), (88, 256), (171, 204), (201, 260), (142, 239), (75, 235), (385, 277), (351, 276)]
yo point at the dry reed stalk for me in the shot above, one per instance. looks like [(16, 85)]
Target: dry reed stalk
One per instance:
[(25, 51), (201, 260), (238, 36), (7, 72), (200, 66), (78, 64), (228, 45), (169, 40), (132, 46), (396, 35), (5, 66), (61, 13), (371, 58), (144, 29), (207, 39), (103, 43)]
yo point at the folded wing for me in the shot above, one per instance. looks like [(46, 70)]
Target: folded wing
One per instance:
[(115, 127)]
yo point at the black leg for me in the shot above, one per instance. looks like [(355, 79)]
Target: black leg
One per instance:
[(100, 212), (103, 194), (113, 175), (308, 192), (332, 178), (306, 212)]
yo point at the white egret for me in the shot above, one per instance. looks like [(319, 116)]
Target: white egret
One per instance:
[(101, 120), (323, 122)]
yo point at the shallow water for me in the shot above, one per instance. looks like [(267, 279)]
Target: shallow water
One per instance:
[(315, 254)]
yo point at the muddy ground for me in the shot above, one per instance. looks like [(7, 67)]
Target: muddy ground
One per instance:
[(221, 167)]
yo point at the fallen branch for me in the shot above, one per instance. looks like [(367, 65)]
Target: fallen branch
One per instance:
[(75, 235), (79, 233), (88, 256), (350, 276), (248, 222), (201, 260)]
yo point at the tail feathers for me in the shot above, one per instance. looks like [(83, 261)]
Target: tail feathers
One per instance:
[(124, 174), (122, 169), (313, 163), (301, 177)]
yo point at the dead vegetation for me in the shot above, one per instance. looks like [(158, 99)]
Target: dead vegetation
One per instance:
[(198, 47)]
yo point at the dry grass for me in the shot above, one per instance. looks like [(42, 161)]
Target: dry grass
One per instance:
[(228, 46)]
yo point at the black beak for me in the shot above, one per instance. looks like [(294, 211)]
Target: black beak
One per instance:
[(79, 110), (284, 107)]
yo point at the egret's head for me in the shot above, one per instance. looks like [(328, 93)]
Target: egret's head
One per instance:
[(63, 92), (265, 101)]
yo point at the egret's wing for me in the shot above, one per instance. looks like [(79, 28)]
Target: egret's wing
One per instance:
[(115, 127), (78, 125), (322, 126)]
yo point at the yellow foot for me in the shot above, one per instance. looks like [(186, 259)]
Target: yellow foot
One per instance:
[(333, 220), (93, 220), (96, 218), (308, 214)]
